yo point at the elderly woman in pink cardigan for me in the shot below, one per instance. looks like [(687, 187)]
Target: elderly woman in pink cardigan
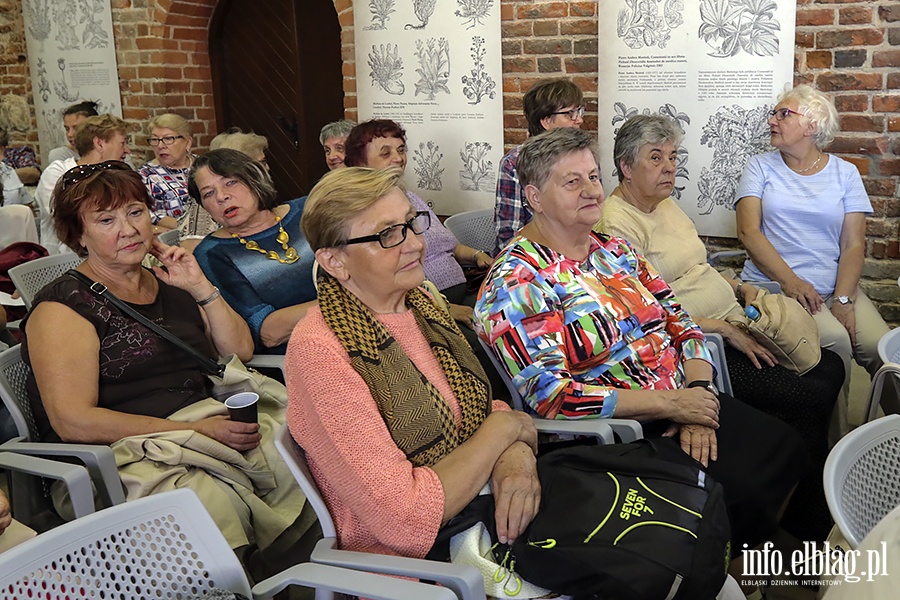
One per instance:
[(386, 398)]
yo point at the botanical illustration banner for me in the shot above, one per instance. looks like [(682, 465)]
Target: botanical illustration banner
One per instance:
[(435, 68), (716, 67), (72, 57)]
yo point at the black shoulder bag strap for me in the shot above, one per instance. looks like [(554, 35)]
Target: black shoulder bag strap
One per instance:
[(209, 366)]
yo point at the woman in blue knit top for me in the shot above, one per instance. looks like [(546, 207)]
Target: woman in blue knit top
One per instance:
[(259, 259)]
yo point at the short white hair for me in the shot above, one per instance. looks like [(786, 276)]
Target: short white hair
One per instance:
[(818, 108)]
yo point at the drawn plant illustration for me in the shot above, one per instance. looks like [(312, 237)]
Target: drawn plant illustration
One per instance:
[(735, 134), (93, 36), (434, 67), (66, 20), (729, 26), (640, 24), (38, 16), (43, 84), (479, 84), (473, 12), (387, 68), (61, 87), (623, 113), (427, 165), (381, 11), (477, 172), (423, 9), (51, 120)]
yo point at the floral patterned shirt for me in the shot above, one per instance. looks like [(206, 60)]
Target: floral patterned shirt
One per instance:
[(572, 333)]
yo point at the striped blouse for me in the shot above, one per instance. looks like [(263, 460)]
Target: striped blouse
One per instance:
[(572, 333)]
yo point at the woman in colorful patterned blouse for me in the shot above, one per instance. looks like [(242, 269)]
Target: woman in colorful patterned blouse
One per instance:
[(587, 328)]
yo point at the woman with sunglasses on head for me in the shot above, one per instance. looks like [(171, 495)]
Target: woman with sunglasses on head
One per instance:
[(166, 179), (259, 258), (115, 378), (801, 214), (97, 139), (385, 396)]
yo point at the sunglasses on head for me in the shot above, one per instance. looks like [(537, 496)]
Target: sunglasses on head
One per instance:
[(82, 172)]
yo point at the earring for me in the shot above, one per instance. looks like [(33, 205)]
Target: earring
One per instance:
[(627, 180)]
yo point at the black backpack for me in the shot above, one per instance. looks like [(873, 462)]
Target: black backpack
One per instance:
[(626, 521)]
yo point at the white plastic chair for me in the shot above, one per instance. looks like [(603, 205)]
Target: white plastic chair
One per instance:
[(162, 546), (29, 278), (862, 477), (716, 258), (465, 582), (716, 344), (474, 228), (28, 496), (628, 430), (171, 237)]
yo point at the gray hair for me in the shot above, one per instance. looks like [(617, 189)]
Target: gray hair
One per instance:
[(640, 130), (338, 129), (227, 162), (818, 108), (248, 143), (540, 153)]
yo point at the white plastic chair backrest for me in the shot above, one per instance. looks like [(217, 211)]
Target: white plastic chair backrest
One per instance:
[(889, 346), (862, 477), (295, 458), (29, 278), (716, 345), (162, 546), (876, 388), (13, 374), (171, 237), (474, 228)]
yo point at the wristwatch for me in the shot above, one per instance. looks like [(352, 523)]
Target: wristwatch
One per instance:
[(844, 300), (704, 383)]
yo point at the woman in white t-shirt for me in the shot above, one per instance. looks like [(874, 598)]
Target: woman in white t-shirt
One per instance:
[(801, 214)]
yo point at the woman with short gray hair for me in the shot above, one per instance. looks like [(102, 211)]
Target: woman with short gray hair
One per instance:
[(333, 137), (801, 215)]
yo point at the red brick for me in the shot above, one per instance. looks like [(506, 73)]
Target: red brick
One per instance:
[(546, 10), (851, 102), (547, 46), (838, 82), (578, 27), (861, 163), (514, 121), (886, 103), (854, 145), (151, 72), (893, 124), (549, 27), (519, 65), (516, 29), (507, 12), (878, 249), (862, 123), (510, 84), (582, 9), (887, 58), (849, 37), (814, 16), (880, 186), (889, 166), (804, 39), (820, 59), (855, 15), (585, 64), (889, 12)]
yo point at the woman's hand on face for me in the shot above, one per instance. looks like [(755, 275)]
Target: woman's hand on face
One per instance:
[(700, 442), (804, 293), (181, 270), (846, 314), (234, 434), (516, 490), (463, 314), (694, 406), (747, 344)]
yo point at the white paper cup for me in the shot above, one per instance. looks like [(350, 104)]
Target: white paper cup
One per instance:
[(242, 407)]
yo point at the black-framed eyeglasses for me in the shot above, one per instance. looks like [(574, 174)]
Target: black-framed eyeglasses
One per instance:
[(574, 114), (396, 234), (781, 114), (82, 172), (168, 140)]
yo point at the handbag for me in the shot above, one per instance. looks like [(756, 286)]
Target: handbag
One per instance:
[(228, 377), (785, 329)]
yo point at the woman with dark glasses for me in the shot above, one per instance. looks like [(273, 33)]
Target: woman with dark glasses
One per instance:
[(259, 258), (801, 214), (385, 396), (98, 376), (97, 139)]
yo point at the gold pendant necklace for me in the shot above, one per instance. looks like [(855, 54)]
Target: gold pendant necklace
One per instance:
[(812, 166), (290, 254)]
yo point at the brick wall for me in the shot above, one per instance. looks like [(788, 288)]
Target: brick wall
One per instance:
[(848, 48)]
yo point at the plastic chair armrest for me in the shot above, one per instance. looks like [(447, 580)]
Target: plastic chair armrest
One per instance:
[(345, 581), (466, 582), (628, 430), (266, 361), (99, 461), (591, 427), (76, 478)]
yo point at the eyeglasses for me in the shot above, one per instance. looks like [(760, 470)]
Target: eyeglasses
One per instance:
[(82, 172), (168, 140), (396, 234), (574, 114), (781, 114)]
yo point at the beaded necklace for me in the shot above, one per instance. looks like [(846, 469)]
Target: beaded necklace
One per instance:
[(290, 254)]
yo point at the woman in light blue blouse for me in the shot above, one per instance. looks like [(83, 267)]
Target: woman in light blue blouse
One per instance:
[(801, 214), (259, 259)]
